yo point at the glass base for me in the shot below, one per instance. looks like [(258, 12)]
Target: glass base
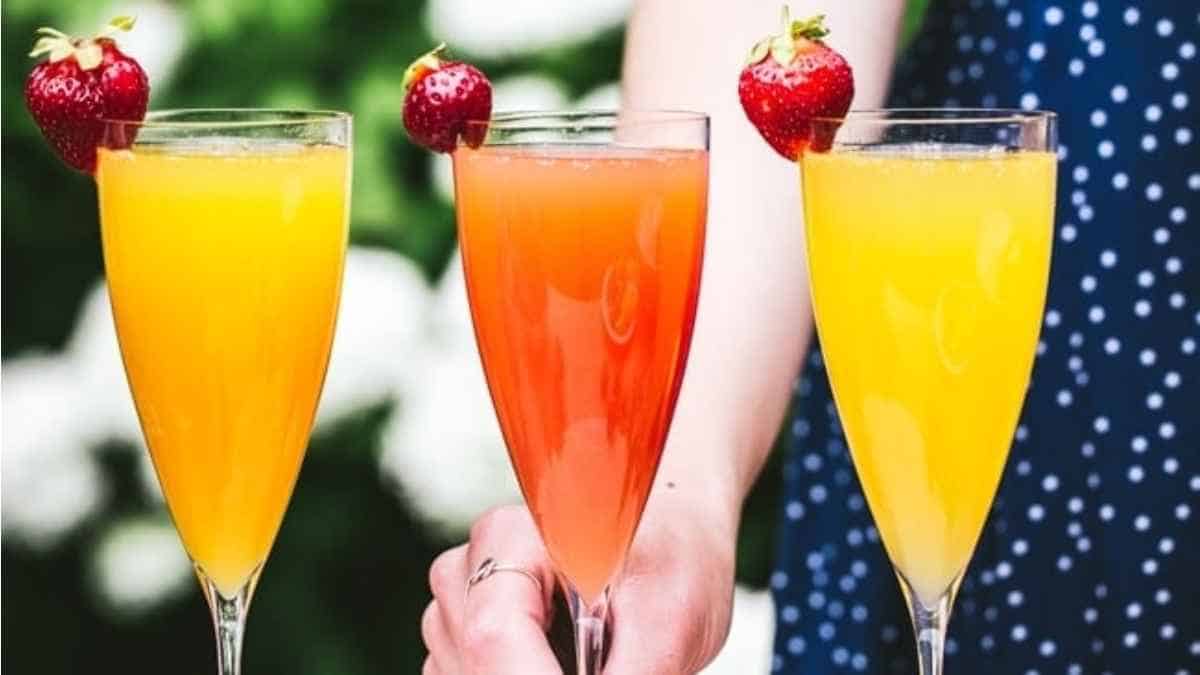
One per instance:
[(229, 619)]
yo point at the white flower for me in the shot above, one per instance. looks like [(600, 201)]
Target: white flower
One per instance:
[(751, 634), (50, 483), (380, 332), (521, 26), (443, 450), (139, 563)]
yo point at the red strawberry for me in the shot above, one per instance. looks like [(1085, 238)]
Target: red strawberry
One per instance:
[(83, 83), (791, 78), (442, 96)]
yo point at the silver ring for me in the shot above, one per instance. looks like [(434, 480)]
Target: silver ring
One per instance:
[(489, 567)]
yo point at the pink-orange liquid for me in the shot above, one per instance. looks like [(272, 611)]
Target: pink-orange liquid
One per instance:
[(583, 267)]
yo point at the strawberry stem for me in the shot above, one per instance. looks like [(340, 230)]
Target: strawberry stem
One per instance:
[(87, 53), (431, 60), (812, 28)]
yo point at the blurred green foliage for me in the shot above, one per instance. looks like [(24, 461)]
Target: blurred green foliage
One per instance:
[(347, 582)]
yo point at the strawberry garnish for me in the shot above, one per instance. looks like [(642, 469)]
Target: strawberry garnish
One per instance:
[(442, 97), (792, 78), (83, 83)]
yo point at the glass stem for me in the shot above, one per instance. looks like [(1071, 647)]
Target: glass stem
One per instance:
[(229, 620), (929, 625), (591, 624)]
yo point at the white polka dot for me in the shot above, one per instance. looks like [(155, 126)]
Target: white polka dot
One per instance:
[(817, 493), (1037, 51), (1096, 48), (1074, 529), (1161, 235), (1138, 444), (1166, 545), (779, 580), (1086, 213), (1187, 50), (1149, 567), (1167, 631), (1170, 465), (1015, 598), (1170, 70), (1047, 648), (1136, 474), (1172, 265), (1087, 32), (1120, 180), (1101, 424), (987, 45), (1088, 449), (1171, 380), (1050, 483), (1019, 632), (1149, 142), (1064, 398), (1087, 283), (1183, 136), (1090, 615), (1014, 19), (1147, 357), (1029, 101), (1076, 340), (1036, 512), (1068, 232), (1119, 93), (1179, 100), (1108, 258), (1164, 27), (1105, 149), (795, 510), (1053, 15), (1083, 545), (1166, 430), (1162, 596), (1188, 345), (1131, 16), (1154, 400), (1075, 67), (1194, 181), (1145, 278), (1090, 9), (1133, 610), (1142, 308), (1096, 314), (1182, 511), (1130, 640), (1154, 192), (1107, 512), (796, 645), (1064, 563), (1020, 547), (1153, 113), (1141, 523)]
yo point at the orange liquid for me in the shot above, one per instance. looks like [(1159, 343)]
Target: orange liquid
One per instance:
[(583, 267), (225, 270)]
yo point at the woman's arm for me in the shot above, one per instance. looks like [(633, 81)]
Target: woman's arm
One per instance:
[(671, 610)]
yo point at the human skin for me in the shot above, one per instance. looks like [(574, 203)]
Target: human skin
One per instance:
[(671, 606)]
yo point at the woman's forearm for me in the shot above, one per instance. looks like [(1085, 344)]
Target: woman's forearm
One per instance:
[(752, 327)]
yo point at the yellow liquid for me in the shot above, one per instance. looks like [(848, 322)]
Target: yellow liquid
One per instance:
[(225, 272), (929, 274)]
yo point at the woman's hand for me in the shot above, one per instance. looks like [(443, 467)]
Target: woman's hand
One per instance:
[(669, 614)]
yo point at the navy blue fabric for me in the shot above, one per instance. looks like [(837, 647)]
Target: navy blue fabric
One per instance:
[(1090, 562)]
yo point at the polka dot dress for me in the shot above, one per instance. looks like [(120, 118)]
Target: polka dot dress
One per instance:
[(1090, 563)]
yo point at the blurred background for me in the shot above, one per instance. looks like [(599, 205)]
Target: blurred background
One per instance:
[(406, 451)]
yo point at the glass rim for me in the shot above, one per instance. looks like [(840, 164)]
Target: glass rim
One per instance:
[(227, 118), (572, 119), (947, 116)]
